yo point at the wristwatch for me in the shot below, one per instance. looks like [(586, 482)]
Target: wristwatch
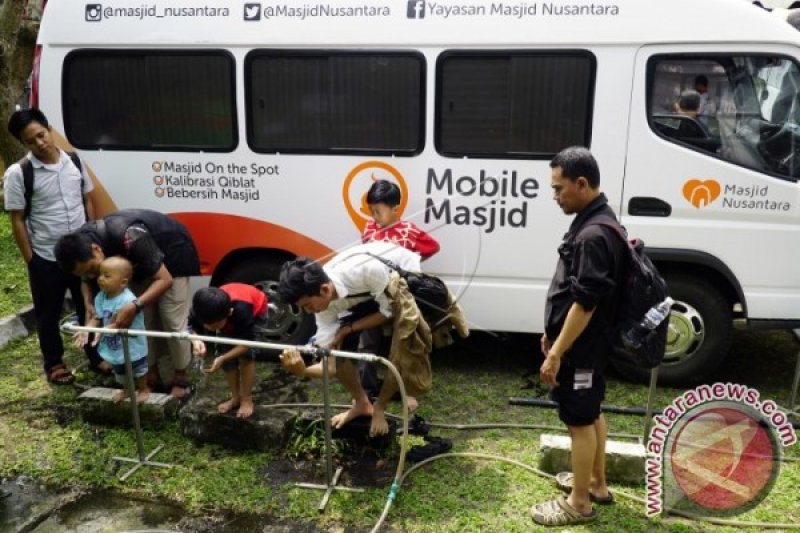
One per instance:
[(138, 305)]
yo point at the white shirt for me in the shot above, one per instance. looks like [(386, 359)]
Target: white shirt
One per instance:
[(353, 272), (56, 204)]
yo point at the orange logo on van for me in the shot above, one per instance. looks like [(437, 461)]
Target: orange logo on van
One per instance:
[(358, 182), (701, 193)]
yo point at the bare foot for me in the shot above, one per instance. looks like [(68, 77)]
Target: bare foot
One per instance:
[(142, 395), (359, 409), (379, 425), (245, 409), (119, 396), (412, 404), (224, 407)]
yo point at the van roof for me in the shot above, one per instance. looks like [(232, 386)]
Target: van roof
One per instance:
[(403, 23)]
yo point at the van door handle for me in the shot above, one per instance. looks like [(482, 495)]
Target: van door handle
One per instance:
[(644, 206)]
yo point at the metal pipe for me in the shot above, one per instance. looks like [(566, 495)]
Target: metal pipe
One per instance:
[(185, 335), (137, 425), (550, 404)]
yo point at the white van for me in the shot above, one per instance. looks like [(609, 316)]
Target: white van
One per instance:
[(261, 125)]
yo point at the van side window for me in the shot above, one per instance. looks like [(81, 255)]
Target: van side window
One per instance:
[(513, 104), (740, 108), (154, 100), (326, 102)]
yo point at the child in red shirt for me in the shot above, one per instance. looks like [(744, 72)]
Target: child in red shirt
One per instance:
[(232, 310), (386, 225)]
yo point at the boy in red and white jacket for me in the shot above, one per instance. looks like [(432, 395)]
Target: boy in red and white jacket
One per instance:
[(383, 198)]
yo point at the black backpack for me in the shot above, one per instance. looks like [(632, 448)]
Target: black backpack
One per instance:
[(27, 180), (642, 288), (429, 292)]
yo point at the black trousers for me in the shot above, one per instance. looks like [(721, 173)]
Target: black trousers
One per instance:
[(48, 285)]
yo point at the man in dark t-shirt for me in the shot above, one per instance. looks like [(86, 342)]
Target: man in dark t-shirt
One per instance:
[(579, 313), (163, 257), (234, 310)]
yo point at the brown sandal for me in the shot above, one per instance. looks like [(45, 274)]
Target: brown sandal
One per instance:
[(565, 480), (559, 512), (59, 375)]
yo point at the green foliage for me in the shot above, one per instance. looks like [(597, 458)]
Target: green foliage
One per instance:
[(307, 441)]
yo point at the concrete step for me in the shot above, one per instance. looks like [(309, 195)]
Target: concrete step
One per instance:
[(97, 407), (17, 325), (625, 461)]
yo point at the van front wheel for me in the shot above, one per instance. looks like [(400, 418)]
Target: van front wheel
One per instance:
[(286, 323), (699, 335)]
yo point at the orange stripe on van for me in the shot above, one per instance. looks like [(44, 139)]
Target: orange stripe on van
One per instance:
[(217, 234), (101, 200)]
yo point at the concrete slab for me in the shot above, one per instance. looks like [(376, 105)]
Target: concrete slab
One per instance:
[(625, 461), (96, 407), (17, 325)]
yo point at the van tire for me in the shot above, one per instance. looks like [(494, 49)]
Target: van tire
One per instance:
[(287, 324), (699, 335)]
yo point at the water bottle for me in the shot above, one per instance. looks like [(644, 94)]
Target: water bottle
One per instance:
[(634, 337)]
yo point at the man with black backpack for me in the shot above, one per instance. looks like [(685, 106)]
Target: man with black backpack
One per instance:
[(48, 195), (579, 322)]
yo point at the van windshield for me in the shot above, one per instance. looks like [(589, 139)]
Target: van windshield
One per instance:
[(741, 108)]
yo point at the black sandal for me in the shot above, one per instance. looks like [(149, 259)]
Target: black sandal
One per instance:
[(100, 370), (416, 426), (436, 446), (187, 387)]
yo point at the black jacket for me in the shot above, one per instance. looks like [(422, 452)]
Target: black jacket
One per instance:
[(588, 272), (147, 239)]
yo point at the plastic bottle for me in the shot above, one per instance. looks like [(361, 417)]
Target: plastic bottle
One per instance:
[(654, 316)]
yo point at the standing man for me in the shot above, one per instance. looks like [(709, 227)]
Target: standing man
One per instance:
[(54, 202), (163, 256), (581, 304)]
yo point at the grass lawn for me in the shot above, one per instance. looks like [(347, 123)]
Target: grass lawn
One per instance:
[(14, 290), (473, 383)]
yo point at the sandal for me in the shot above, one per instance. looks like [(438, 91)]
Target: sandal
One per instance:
[(565, 481), (435, 446), (559, 512), (417, 426), (59, 375)]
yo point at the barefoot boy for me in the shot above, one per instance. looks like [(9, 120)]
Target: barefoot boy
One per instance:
[(232, 310), (114, 274)]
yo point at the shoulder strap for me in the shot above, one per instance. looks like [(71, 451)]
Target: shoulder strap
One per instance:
[(77, 162), (607, 222), (359, 295), (27, 182), (391, 264)]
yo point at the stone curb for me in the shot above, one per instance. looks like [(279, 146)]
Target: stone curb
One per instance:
[(625, 461), (18, 325)]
